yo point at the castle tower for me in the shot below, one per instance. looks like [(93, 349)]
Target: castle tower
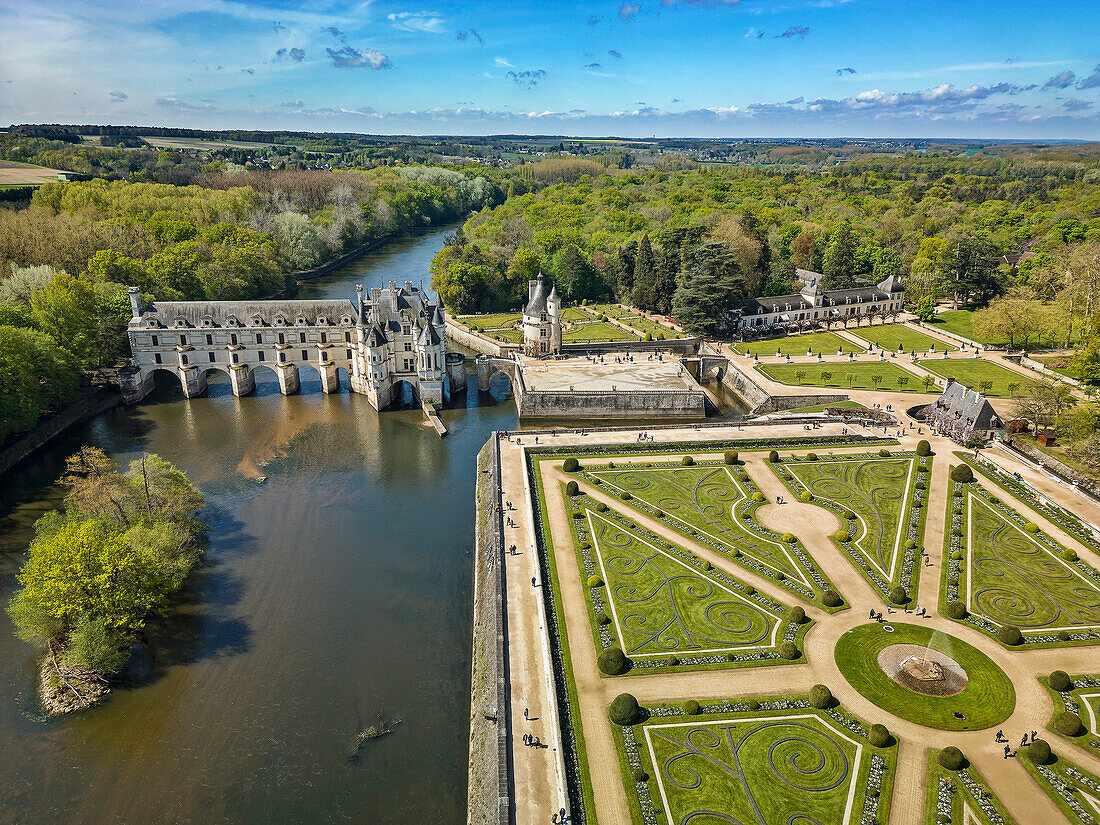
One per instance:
[(553, 312), (536, 321), (431, 364)]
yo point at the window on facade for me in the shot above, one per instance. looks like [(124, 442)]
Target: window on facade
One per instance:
[(282, 338), (233, 339), (211, 358), (408, 346), (349, 354), (183, 340), (282, 357), (261, 355), (184, 358), (347, 339), (305, 356), (302, 337), (155, 344), (156, 357), (406, 329), (324, 337), (260, 338), (234, 358), (209, 340), (324, 356), (542, 332)]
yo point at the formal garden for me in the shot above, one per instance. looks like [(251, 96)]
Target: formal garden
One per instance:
[(901, 336), (1076, 701), (985, 376), (881, 502), (852, 375), (826, 343), (959, 795), (1073, 789)]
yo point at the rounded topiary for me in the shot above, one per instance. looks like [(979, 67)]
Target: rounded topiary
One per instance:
[(962, 474), (752, 704), (1059, 680), (729, 456), (884, 453), (1062, 635), (640, 775), (1031, 527), (879, 736), (843, 536), (595, 581), (578, 514), (1069, 555), (750, 590), (625, 496), (955, 610), (1038, 752), (805, 495), (789, 538), (798, 615), (957, 555), (624, 709), (811, 456), (1010, 635), (952, 758), (773, 457), (613, 661), (687, 461), (1067, 723), (571, 464), (820, 697), (601, 507), (910, 544), (691, 707), (789, 650), (830, 598), (898, 595), (920, 485), (571, 489), (758, 496), (602, 619), (924, 448)]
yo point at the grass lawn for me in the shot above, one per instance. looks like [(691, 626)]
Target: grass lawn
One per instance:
[(510, 336), (844, 405), (1062, 364), (576, 314), (1073, 780), (966, 789), (497, 321), (598, 331), (892, 336), (644, 325), (961, 322), (987, 699), (826, 343), (976, 371), (894, 378)]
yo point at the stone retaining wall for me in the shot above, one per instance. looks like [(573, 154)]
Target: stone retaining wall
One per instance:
[(1055, 466), (90, 404), (335, 263), (635, 404), (1038, 366), (778, 403), (744, 387), (472, 341)]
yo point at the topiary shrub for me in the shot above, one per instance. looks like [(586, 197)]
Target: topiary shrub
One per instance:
[(910, 544), (920, 485), (687, 461), (625, 496), (884, 453), (624, 708), (578, 514), (640, 775), (1010, 635), (924, 448), (602, 619), (952, 758), (691, 707), (758, 496), (570, 465), (1059, 680), (962, 474), (613, 661), (1038, 752), (1067, 723), (805, 495), (789, 538), (789, 650), (843, 536), (1031, 527), (595, 581), (830, 598), (811, 456), (798, 615), (1062, 635), (879, 736), (1069, 555), (820, 697), (601, 507), (750, 590), (773, 457), (571, 489), (955, 610), (729, 456), (957, 555), (898, 595)]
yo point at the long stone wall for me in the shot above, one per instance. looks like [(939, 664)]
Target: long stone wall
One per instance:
[(778, 403), (1055, 466), (1038, 366), (744, 387), (92, 403), (472, 341), (637, 404)]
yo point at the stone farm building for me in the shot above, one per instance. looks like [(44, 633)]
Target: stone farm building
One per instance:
[(964, 414), (391, 334), (813, 307)]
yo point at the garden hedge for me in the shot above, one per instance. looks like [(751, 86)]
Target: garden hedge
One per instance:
[(952, 758)]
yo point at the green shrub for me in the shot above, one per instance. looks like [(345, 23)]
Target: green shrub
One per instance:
[(570, 465), (624, 708), (843, 536), (1059, 680), (687, 461), (811, 456), (805, 495), (910, 544), (1062, 635), (578, 514), (820, 697), (602, 619), (613, 661), (920, 485), (691, 707), (96, 645), (750, 590), (730, 456), (1069, 555), (571, 489), (1010, 635), (957, 555), (994, 500), (830, 598), (789, 538), (585, 545), (640, 775), (798, 615), (758, 496), (773, 457), (955, 610), (648, 337), (952, 758), (1038, 752), (789, 650), (1031, 527), (625, 496), (884, 453), (962, 474), (924, 448), (601, 507), (1067, 723), (595, 581), (898, 595), (753, 704), (879, 736)]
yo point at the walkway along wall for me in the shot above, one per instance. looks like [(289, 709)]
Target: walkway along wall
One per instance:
[(1055, 466), (616, 404)]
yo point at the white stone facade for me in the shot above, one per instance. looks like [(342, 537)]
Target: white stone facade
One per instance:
[(541, 321), (813, 306)]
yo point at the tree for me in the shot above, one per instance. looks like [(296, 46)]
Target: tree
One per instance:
[(876, 379), (645, 273), (575, 275), (710, 290), (925, 308), (826, 377), (902, 381), (887, 262), (61, 310), (1041, 401), (800, 375), (1013, 317), (839, 262), (35, 375), (851, 376)]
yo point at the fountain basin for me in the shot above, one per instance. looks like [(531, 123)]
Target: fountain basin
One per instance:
[(921, 670)]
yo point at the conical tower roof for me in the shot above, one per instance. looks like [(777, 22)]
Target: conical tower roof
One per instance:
[(537, 305)]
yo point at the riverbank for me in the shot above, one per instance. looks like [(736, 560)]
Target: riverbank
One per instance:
[(91, 403), (331, 266)]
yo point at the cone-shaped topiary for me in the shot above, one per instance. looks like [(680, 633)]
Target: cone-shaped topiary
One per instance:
[(820, 697), (613, 661), (952, 758), (962, 474), (570, 465), (1038, 752), (1059, 680), (624, 708)]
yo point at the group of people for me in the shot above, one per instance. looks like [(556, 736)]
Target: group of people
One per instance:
[(644, 436), (1025, 740), (533, 741)]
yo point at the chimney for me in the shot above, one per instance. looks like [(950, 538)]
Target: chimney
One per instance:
[(531, 290), (135, 301), (408, 286)]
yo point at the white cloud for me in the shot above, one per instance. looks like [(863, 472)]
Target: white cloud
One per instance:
[(500, 61), (417, 21)]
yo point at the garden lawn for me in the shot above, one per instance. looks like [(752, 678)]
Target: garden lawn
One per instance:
[(892, 336), (961, 322), (598, 331), (844, 405), (1084, 693), (643, 325), (967, 808), (894, 378), (509, 336), (576, 315), (826, 343), (987, 699), (974, 371), (498, 321)]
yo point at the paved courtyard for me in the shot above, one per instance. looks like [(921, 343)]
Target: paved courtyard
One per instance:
[(582, 374)]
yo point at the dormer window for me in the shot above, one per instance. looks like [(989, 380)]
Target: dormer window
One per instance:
[(322, 320), (300, 320), (280, 320), (257, 321), (181, 323), (344, 319), (231, 321), (207, 322)]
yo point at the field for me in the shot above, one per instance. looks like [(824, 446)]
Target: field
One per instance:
[(597, 331), (844, 405), (823, 342), (894, 378), (892, 336), (975, 371), (199, 143), (24, 174)]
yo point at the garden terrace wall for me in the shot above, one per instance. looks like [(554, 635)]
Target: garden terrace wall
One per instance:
[(1055, 466), (472, 341)]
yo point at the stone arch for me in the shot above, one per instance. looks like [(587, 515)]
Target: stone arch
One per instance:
[(309, 377)]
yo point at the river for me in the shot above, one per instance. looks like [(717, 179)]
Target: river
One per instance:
[(336, 590)]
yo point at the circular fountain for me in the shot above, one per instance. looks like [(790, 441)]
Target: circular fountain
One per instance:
[(922, 670)]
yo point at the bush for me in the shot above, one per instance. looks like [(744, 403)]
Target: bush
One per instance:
[(96, 645), (625, 496), (1010, 635), (924, 448), (602, 619), (957, 555), (595, 581), (830, 598), (585, 545), (571, 464), (898, 595), (1038, 752), (920, 485), (1062, 635), (773, 457), (805, 495), (571, 489), (601, 507), (578, 514), (1059, 681), (1069, 555), (798, 615), (955, 610), (1067, 723), (843, 536), (789, 538), (687, 461), (820, 697), (952, 758), (753, 704), (640, 775), (613, 661), (750, 590), (624, 709), (789, 650), (758, 496), (884, 453), (811, 456), (730, 456), (1031, 527), (879, 736), (962, 474), (691, 707), (910, 544)]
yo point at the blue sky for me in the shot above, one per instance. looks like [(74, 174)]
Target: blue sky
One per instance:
[(773, 68)]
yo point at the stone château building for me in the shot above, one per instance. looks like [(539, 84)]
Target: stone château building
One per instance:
[(813, 306), (541, 321), (964, 414), (389, 335)]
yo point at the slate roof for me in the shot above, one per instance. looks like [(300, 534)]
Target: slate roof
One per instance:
[(969, 405), (537, 304), (194, 313)]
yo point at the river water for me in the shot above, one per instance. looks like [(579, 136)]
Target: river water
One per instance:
[(336, 590)]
